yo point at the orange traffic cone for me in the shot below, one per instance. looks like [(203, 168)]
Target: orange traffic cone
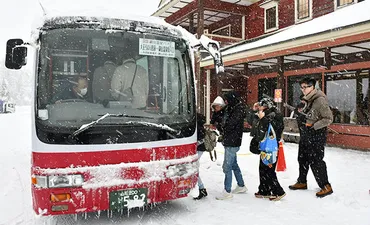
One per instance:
[(281, 165)]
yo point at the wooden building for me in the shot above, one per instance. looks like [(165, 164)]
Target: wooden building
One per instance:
[(269, 45)]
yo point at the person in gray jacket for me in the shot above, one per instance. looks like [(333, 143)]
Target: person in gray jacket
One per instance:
[(130, 82), (313, 138), (101, 85)]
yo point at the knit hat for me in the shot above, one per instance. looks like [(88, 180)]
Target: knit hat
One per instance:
[(218, 101), (266, 102)]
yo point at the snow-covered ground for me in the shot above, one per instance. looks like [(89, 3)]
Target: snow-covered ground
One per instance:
[(349, 173)]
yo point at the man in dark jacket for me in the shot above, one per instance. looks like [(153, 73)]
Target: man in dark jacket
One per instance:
[(201, 120), (318, 117), (232, 126), (266, 113)]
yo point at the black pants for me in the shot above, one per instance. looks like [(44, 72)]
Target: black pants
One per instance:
[(311, 154), (269, 183)]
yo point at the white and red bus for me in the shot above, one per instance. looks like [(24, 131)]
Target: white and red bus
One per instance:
[(98, 151)]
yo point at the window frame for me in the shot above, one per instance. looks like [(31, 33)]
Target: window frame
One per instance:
[(268, 6), (222, 28), (336, 6), (346, 76), (296, 12)]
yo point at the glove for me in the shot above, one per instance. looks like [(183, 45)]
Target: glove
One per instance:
[(220, 138)]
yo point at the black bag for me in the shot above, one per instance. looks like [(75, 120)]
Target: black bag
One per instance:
[(254, 146)]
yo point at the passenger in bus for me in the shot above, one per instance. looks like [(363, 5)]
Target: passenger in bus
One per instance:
[(130, 82), (101, 85), (77, 91)]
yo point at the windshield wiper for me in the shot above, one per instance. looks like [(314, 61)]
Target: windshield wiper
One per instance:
[(125, 115), (149, 124), (155, 125)]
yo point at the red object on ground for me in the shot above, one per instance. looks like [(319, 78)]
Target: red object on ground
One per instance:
[(281, 165)]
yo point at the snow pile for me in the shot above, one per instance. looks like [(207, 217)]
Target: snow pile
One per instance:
[(119, 174)]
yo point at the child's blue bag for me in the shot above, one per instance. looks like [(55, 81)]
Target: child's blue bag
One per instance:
[(269, 147)]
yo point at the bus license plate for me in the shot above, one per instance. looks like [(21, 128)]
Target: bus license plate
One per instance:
[(130, 198)]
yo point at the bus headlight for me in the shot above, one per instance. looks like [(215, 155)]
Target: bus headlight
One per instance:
[(56, 181), (65, 180)]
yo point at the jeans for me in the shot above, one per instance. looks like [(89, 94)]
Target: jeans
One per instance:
[(200, 183), (230, 164)]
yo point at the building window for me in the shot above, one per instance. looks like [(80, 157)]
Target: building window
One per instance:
[(342, 3), (224, 31), (303, 10), (271, 18), (348, 96), (271, 15)]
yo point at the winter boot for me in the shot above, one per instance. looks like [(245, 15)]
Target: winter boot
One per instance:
[(298, 186), (260, 195), (327, 190), (276, 197), (202, 193)]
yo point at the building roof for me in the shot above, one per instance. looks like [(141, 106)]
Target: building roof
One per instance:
[(212, 14)]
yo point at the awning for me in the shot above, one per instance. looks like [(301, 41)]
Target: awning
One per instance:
[(213, 13), (346, 30)]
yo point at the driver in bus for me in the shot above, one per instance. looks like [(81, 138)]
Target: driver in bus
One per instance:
[(77, 91)]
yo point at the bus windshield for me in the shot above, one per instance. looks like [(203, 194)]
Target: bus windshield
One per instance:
[(84, 74)]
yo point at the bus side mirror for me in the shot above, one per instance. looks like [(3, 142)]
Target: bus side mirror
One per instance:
[(213, 48), (16, 54)]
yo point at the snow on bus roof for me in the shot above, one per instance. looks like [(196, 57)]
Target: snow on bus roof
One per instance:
[(104, 16)]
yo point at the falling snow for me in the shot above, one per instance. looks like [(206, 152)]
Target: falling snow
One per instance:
[(350, 203)]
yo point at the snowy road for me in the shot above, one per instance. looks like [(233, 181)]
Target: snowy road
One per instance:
[(349, 173)]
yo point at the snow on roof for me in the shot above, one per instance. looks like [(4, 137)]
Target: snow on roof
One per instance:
[(163, 2), (104, 16), (347, 16), (99, 10)]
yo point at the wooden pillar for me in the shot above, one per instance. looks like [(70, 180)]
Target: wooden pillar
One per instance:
[(246, 73), (191, 23), (200, 29), (199, 71), (368, 94), (280, 80), (327, 58)]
